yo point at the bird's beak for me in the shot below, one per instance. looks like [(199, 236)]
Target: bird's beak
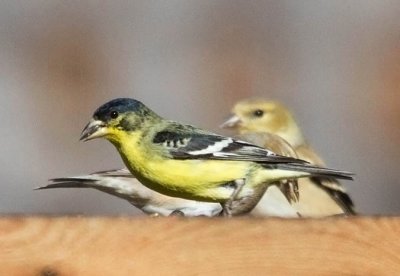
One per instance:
[(94, 129), (232, 122)]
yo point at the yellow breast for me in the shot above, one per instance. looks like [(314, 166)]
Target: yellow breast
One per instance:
[(187, 178)]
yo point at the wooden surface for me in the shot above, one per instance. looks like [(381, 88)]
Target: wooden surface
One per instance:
[(178, 246)]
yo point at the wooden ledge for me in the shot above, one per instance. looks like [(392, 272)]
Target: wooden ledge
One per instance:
[(175, 246)]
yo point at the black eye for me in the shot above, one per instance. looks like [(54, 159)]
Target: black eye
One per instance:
[(114, 114), (258, 113)]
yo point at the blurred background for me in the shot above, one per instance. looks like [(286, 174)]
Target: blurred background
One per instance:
[(336, 64)]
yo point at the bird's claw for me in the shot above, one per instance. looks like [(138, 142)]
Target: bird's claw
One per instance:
[(290, 189)]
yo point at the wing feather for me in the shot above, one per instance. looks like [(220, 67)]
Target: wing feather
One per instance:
[(194, 145)]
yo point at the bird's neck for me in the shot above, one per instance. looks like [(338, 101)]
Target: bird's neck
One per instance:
[(292, 134), (128, 145)]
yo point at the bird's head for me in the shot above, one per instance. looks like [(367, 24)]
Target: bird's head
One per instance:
[(257, 115), (116, 118)]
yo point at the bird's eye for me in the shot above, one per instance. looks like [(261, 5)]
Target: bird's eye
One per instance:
[(114, 114), (258, 113)]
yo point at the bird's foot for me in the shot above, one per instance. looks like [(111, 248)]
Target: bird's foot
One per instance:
[(227, 206), (290, 189), (177, 213), (226, 211)]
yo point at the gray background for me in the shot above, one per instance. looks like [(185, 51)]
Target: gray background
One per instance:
[(335, 63)]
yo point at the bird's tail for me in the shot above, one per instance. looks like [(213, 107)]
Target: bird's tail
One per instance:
[(94, 180), (316, 171), (69, 182)]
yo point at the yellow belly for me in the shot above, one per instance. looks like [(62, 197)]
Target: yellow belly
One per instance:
[(194, 179)]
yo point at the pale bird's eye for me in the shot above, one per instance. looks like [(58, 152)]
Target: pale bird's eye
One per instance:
[(114, 114), (258, 113)]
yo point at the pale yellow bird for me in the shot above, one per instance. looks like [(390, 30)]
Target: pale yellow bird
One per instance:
[(319, 197)]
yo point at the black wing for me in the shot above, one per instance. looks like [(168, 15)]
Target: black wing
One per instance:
[(187, 143)]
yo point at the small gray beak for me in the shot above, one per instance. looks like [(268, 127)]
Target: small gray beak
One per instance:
[(232, 122), (94, 129)]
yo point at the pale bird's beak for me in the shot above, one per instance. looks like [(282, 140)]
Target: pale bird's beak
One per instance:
[(232, 122), (94, 129)]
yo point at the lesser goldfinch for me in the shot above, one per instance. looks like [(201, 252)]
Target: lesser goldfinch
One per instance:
[(121, 183), (319, 196), (184, 161)]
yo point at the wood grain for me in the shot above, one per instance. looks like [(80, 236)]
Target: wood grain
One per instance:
[(179, 246)]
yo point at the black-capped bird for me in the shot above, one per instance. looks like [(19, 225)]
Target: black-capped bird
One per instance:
[(184, 161), (320, 196)]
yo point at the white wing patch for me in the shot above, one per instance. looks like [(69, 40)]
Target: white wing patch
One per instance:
[(214, 148), (176, 144), (267, 151)]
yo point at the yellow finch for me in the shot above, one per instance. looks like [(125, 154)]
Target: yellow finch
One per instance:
[(319, 196), (121, 183), (184, 161)]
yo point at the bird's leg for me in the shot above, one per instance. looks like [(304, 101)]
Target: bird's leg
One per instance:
[(290, 189), (227, 206), (246, 204)]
